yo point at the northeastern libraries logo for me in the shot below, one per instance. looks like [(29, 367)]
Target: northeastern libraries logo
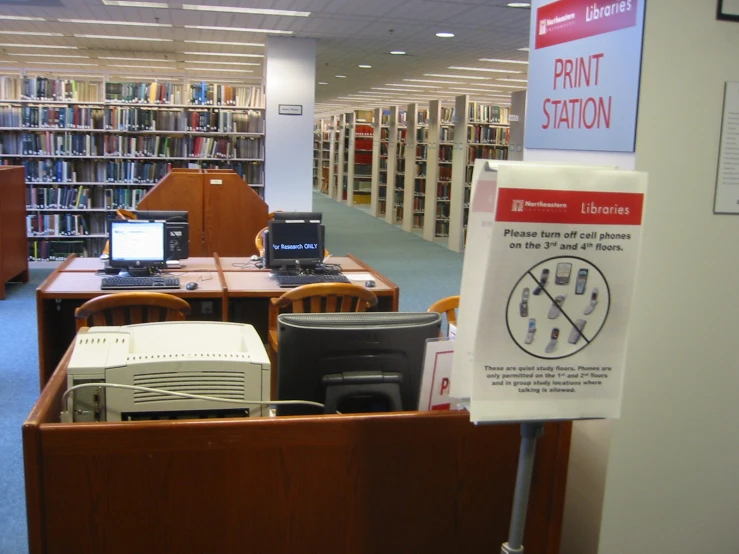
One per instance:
[(568, 20), (538, 205)]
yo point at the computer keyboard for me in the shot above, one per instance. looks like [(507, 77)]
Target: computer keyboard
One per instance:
[(140, 283), (298, 280)]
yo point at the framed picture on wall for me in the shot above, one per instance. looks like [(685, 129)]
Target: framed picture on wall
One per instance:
[(728, 9)]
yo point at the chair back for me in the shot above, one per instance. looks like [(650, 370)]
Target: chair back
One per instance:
[(259, 242), (322, 298), (447, 307), (126, 308)]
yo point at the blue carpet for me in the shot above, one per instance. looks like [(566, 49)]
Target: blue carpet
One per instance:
[(424, 272)]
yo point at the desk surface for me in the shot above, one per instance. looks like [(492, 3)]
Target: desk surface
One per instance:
[(85, 284), (247, 264), (96, 264), (262, 283)]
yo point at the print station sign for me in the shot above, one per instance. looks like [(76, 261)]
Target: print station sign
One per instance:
[(584, 69)]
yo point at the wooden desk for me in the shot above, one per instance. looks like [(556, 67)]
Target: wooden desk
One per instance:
[(400, 483), (239, 294)]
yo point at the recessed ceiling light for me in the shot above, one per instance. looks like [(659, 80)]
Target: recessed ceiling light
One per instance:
[(514, 80), (524, 49), (132, 4), (21, 18), (433, 81), (519, 4), (31, 33), (133, 59), (445, 35), (102, 22), (225, 43), (496, 60), (485, 69), (67, 63), (240, 29), (222, 63), (365, 66), (118, 37), (13, 45), (255, 11), (232, 54), (398, 53), (219, 69), (47, 55), (141, 66), (340, 76), (322, 83), (455, 76)]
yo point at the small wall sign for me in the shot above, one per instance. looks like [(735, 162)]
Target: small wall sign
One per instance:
[(290, 109)]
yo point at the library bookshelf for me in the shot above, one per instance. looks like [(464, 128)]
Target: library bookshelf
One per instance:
[(91, 147), (359, 133), (422, 162)]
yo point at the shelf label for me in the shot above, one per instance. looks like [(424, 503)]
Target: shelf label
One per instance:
[(290, 109)]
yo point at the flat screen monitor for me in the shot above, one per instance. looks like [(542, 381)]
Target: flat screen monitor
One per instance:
[(176, 230), (294, 244), (315, 345), (136, 244), (298, 216)]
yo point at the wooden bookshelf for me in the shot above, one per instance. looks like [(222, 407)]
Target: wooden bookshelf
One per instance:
[(359, 134), (13, 248), (91, 147)]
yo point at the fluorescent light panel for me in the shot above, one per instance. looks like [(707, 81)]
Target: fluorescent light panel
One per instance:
[(496, 60), (78, 64), (134, 59), (240, 29), (395, 89), (474, 89), (118, 37), (255, 11), (11, 45), (107, 22), (232, 54), (485, 69), (517, 87), (21, 18), (48, 55), (225, 43), (222, 63), (455, 76), (524, 49), (433, 81), (142, 66), (132, 4), (219, 69), (31, 33), (405, 85), (514, 80)]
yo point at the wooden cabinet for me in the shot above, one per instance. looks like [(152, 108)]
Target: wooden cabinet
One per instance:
[(13, 244)]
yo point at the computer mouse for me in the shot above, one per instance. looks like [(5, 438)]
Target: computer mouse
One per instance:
[(192, 285), (369, 284), (254, 258)]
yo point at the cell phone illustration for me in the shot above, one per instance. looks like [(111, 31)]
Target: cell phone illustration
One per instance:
[(542, 281), (593, 302), (562, 276), (551, 347), (582, 280), (576, 332), (554, 310), (523, 307), (531, 331)]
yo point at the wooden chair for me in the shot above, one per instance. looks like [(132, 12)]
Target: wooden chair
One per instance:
[(318, 298), (447, 307), (125, 308)]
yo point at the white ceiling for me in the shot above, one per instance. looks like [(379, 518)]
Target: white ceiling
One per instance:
[(348, 33)]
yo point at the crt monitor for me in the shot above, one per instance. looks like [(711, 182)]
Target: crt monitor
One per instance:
[(136, 245), (176, 229), (316, 217), (294, 244), (315, 345)]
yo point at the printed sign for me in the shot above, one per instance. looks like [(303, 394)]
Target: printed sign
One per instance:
[(550, 336), (437, 372), (584, 68), (290, 109)]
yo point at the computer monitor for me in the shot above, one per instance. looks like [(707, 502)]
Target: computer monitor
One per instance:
[(176, 230), (136, 245), (294, 244), (298, 216), (383, 344)]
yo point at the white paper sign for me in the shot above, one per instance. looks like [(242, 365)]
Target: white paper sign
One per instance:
[(551, 336), (726, 200), (437, 372)]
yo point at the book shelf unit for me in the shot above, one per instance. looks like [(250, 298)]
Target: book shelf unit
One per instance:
[(91, 147), (380, 146), (416, 150), (317, 155), (396, 190), (325, 155), (359, 158)]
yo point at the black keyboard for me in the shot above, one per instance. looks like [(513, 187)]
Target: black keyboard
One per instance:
[(140, 283), (298, 280)]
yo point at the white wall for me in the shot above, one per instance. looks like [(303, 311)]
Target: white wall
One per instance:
[(290, 78), (673, 475)]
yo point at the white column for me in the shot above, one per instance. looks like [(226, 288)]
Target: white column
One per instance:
[(290, 79)]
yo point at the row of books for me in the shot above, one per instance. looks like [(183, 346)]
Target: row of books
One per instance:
[(419, 203), (111, 171), (421, 151), (364, 131), (490, 135), (419, 188), (44, 250), (487, 153), (422, 135), (69, 197), (422, 117), (442, 229), (57, 225), (73, 144), (65, 117), (446, 134), (420, 170), (445, 173), (485, 113), (156, 119), (44, 88)]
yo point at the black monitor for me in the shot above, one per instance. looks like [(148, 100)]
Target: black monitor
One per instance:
[(298, 216), (136, 245), (176, 229), (294, 244), (363, 348)]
